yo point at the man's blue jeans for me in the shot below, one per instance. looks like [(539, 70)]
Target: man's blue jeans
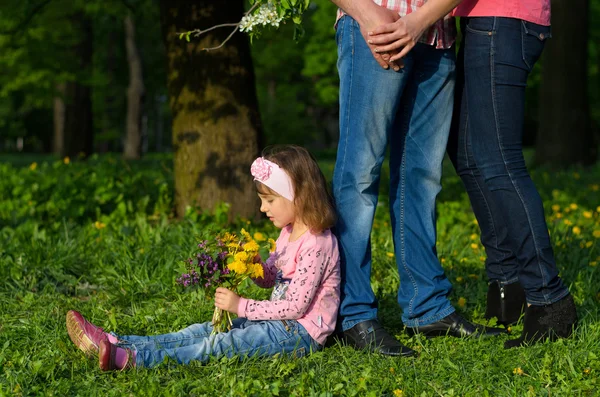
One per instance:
[(411, 111), (486, 148), (246, 339)]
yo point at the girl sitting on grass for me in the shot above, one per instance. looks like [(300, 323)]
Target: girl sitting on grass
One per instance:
[(304, 271)]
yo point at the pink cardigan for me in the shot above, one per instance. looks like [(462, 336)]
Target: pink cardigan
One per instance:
[(305, 275), (536, 11)]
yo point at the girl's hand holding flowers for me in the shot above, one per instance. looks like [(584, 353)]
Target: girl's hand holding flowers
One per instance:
[(220, 265), (227, 300)]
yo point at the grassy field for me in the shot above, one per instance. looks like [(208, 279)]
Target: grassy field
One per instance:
[(100, 237)]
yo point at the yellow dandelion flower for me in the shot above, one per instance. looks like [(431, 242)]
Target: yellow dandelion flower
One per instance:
[(238, 267), (273, 245), (99, 225), (33, 166), (443, 260), (246, 234), (256, 270), (596, 233), (241, 256), (251, 246), (593, 263), (462, 302), (392, 370), (258, 236), (477, 223), (556, 208), (598, 208), (398, 393), (390, 254), (518, 371), (474, 276), (576, 231), (587, 214), (228, 237), (559, 215), (474, 246), (588, 244), (587, 371), (567, 222), (482, 258), (474, 236), (233, 246), (459, 279), (595, 187), (66, 160), (573, 206)]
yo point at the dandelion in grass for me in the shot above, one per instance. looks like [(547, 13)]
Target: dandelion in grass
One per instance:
[(33, 166), (556, 208), (518, 371), (398, 393), (462, 302), (66, 160), (576, 230), (587, 214), (596, 233), (224, 261)]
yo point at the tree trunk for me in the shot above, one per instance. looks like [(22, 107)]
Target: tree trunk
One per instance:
[(59, 119), (135, 94), (212, 96), (565, 136), (79, 133)]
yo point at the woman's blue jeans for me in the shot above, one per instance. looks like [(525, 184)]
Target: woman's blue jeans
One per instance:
[(486, 149), (410, 111), (246, 339)]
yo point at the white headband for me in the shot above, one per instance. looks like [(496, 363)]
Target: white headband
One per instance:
[(272, 176)]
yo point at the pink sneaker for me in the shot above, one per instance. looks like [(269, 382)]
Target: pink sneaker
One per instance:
[(84, 334), (111, 357)]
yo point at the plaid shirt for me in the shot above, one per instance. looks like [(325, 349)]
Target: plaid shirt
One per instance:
[(441, 34)]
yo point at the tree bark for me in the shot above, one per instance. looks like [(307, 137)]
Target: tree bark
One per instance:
[(135, 94), (565, 136), (212, 95), (59, 119), (79, 133)]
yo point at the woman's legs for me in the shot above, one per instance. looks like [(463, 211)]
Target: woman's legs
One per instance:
[(499, 54)]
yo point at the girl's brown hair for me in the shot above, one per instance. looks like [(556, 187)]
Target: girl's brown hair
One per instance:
[(312, 200)]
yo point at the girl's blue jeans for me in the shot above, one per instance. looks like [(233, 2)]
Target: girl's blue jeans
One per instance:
[(246, 339), (486, 149), (408, 112)]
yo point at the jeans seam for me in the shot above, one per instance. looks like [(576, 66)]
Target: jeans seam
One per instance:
[(348, 101), (402, 236)]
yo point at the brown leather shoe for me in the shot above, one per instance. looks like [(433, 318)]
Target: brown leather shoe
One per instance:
[(371, 336)]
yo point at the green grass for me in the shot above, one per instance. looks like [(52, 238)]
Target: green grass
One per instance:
[(99, 237)]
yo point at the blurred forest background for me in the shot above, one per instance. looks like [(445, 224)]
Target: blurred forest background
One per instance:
[(94, 76)]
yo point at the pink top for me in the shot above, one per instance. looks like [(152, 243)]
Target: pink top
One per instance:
[(536, 11), (305, 275)]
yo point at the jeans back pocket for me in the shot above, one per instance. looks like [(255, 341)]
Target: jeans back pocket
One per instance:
[(533, 38)]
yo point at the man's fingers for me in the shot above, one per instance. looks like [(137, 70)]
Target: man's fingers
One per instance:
[(380, 60)]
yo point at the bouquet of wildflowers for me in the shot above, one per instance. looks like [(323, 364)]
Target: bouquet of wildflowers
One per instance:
[(225, 261)]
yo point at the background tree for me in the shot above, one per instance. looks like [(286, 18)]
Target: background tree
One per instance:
[(565, 134), (213, 102)]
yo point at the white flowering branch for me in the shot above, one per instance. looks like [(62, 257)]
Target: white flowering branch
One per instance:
[(263, 13)]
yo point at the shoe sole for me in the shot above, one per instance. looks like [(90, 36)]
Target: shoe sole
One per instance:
[(79, 337)]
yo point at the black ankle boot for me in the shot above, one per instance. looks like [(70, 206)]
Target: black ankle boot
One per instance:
[(553, 321), (505, 302)]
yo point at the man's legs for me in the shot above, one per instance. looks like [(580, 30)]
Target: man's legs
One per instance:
[(417, 151), (369, 99)]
